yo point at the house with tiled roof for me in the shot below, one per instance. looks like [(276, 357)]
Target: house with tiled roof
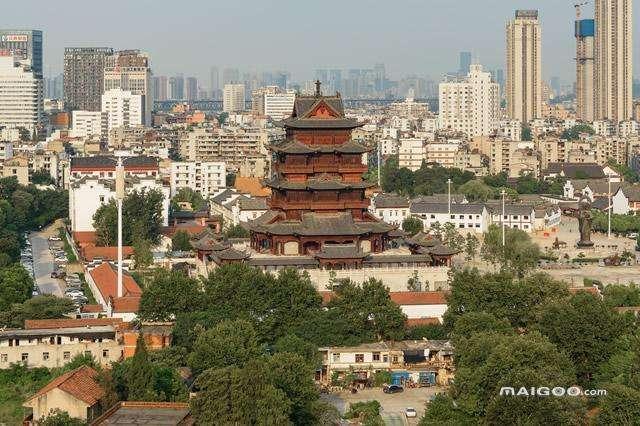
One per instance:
[(151, 413), (626, 199), (103, 282), (391, 208), (77, 392)]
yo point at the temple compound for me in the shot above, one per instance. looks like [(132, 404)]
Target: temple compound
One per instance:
[(318, 218)]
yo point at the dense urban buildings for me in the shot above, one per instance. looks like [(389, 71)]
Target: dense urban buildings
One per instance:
[(585, 69), (233, 98), (21, 95), (524, 67), (470, 105), (25, 45), (129, 70), (614, 60), (84, 77)]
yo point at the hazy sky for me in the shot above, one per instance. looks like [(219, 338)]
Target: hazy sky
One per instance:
[(420, 37)]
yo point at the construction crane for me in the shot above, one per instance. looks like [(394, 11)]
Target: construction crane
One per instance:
[(578, 10)]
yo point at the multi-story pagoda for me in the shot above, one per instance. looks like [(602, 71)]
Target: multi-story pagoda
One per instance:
[(318, 205)]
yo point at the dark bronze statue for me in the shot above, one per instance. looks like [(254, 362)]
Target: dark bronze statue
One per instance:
[(584, 222)]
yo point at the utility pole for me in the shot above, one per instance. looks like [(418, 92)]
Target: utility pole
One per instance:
[(119, 198), (449, 197), (610, 208), (379, 162), (503, 193)]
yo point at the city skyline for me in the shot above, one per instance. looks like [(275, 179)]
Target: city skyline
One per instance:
[(407, 47)]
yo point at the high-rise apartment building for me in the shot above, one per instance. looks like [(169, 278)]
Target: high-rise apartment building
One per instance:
[(233, 98), (191, 92), (470, 105), (25, 45), (84, 77), (465, 64), (53, 87), (279, 105), (214, 82), (585, 43), (129, 70), (160, 88), (613, 60), (230, 75), (524, 67), (21, 95), (176, 88), (123, 108)]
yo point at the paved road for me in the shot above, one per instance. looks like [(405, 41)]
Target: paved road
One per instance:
[(43, 264)]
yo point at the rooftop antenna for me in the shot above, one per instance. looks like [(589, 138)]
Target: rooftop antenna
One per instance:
[(578, 7), (318, 92)]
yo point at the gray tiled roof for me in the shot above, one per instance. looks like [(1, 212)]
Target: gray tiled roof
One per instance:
[(340, 251), (109, 160), (384, 200), (313, 224), (317, 184), (572, 170), (429, 207), (510, 208)]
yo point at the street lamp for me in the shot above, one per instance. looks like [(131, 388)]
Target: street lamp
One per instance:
[(379, 161), (119, 198), (449, 197), (503, 193)]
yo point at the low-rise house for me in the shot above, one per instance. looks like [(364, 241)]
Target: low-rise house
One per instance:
[(55, 342), (421, 306), (391, 208), (235, 207), (410, 362), (471, 217), (517, 216), (626, 200), (103, 280), (592, 188), (574, 171), (76, 392), (547, 217)]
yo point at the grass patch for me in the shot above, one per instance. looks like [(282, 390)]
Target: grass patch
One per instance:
[(71, 256), (87, 291)]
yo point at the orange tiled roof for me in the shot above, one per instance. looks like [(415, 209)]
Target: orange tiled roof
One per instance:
[(85, 237), (106, 278), (69, 322), (253, 186), (92, 308), (107, 253), (419, 297), (405, 297), (125, 304), (413, 322), (80, 383)]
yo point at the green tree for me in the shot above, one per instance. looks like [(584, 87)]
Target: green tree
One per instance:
[(232, 395), (190, 196), (236, 231), (230, 343), (60, 418), (471, 245), (141, 211), (181, 241), (585, 329), (621, 295), (476, 190), (627, 172), (427, 331), (479, 322), (368, 413), (39, 307), (41, 177), (142, 256), (518, 255), (15, 286), (621, 406), (222, 118), (139, 375), (170, 293), (526, 133), (501, 295), (412, 225), (443, 411), (452, 237), (574, 132), (297, 345)]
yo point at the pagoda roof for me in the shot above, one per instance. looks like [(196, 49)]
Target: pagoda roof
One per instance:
[(317, 184), (340, 251), (296, 147), (229, 254), (319, 112), (209, 242), (314, 224)]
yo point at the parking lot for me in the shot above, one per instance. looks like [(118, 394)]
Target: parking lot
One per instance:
[(393, 405)]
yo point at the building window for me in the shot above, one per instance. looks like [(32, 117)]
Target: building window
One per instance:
[(105, 353), (4, 358), (376, 356), (385, 358), (25, 357), (359, 357), (453, 216), (45, 356), (66, 355), (433, 216), (336, 357), (102, 198), (525, 217), (394, 359)]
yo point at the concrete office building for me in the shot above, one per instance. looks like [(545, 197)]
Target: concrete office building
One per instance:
[(205, 177), (470, 105), (585, 43), (21, 95), (129, 70), (25, 45), (613, 60), (524, 67), (233, 98), (160, 88), (84, 77), (465, 64), (88, 124), (279, 105), (191, 89), (123, 108)]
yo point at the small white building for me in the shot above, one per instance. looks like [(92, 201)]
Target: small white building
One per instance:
[(123, 109), (206, 177), (392, 209), (470, 217), (411, 153), (517, 216), (88, 123), (279, 105)]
